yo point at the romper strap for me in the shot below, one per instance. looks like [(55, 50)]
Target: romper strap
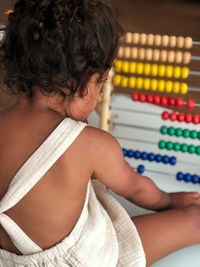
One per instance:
[(30, 174), (21, 241)]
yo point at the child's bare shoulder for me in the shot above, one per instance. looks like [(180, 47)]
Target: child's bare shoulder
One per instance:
[(102, 146), (101, 139)]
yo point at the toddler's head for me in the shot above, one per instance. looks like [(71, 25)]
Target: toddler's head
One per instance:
[(58, 45)]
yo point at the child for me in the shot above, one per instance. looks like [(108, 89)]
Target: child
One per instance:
[(56, 55)]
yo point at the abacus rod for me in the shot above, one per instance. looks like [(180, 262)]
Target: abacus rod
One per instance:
[(195, 58), (193, 89), (194, 73), (135, 110), (189, 163), (196, 42), (135, 126)]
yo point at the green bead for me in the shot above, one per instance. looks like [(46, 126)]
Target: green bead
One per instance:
[(184, 148), (163, 130), (162, 144), (169, 145), (193, 134), (178, 132), (197, 150), (199, 135), (186, 133), (191, 149), (176, 146), (171, 131)]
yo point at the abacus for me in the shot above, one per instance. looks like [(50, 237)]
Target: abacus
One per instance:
[(152, 71)]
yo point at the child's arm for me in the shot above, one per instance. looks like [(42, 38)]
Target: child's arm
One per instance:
[(113, 171)]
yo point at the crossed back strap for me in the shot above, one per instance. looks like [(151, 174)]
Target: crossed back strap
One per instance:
[(30, 174)]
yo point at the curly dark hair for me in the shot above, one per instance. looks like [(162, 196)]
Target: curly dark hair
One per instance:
[(57, 45)]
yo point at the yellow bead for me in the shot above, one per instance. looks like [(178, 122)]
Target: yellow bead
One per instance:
[(154, 85), (147, 69), (140, 68), (184, 73), (161, 85), (125, 67), (132, 67), (146, 83), (168, 86), (161, 70), (184, 88), (177, 72), (117, 80), (176, 88), (139, 83), (124, 82), (169, 71), (154, 70), (132, 82), (118, 65)]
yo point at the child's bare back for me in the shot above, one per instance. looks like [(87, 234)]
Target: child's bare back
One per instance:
[(59, 195)]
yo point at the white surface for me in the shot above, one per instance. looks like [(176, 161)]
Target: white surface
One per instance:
[(123, 111)]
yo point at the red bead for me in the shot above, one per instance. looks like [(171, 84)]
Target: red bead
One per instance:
[(157, 99), (179, 102), (191, 103), (142, 97), (172, 101), (165, 115), (164, 101), (173, 116), (196, 118), (135, 96), (149, 98), (188, 117), (181, 117)]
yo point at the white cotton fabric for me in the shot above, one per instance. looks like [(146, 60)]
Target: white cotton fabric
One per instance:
[(104, 235)]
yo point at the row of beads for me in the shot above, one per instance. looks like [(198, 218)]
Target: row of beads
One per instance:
[(191, 149), (178, 132), (154, 55), (150, 84), (149, 156), (162, 100), (181, 117), (187, 177), (151, 69), (158, 40)]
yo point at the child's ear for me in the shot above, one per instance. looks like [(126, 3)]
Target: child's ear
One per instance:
[(90, 86)]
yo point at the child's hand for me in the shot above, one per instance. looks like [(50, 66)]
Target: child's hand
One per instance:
[(183, 199)]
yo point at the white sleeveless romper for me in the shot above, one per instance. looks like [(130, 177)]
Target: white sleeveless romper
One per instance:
[(104, 235)]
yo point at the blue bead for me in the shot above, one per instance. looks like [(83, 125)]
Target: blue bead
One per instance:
[(195, 179), (130, 153), (165, 159), (158, 158), (144, 155), (137, 154), (124, 151), (151, 157), (140, 169), (179, 176), (172, 160), (187, 177)]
